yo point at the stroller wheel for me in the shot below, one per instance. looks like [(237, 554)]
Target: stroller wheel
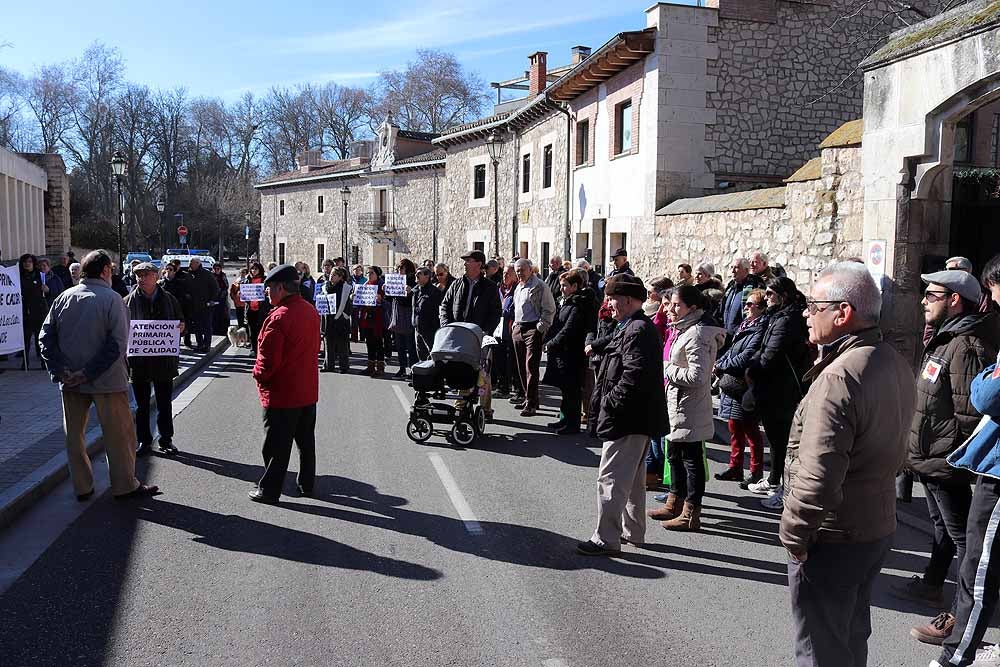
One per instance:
[(463, 432), (479, 420), (419, 429)]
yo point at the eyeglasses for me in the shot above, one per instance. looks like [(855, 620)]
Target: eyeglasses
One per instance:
[(813, 306), (753, 304), (936, 295)]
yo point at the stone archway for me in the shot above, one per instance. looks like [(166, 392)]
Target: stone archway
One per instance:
[(917, 88)]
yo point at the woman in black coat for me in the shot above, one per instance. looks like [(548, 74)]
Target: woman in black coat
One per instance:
[(426, 316), (337, 324), (565, 342), (731, 367), (34, 307), (775, 373)]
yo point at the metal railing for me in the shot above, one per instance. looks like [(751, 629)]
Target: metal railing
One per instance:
[(377, 223)]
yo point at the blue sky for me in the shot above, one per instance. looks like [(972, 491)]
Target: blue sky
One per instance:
[(224, 48)]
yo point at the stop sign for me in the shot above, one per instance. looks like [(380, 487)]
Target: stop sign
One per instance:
[(182, 231)]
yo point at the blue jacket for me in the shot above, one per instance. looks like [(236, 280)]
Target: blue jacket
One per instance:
[(981, 452)]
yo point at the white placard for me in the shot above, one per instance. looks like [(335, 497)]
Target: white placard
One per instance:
[(395, 284), (250, 292), (154, 338), (11, 329), (875, 260), (364, 295), (323, 304)]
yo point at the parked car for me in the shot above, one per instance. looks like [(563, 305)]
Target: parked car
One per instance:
[(206, 260)]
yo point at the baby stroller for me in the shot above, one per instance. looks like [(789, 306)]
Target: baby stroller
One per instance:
[(454, 364)]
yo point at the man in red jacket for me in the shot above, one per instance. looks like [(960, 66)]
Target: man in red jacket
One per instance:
[(287, 378)]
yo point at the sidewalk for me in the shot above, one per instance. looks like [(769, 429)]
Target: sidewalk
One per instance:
[(32, 443)]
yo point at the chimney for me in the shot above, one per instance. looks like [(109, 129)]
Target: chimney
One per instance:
[(580, 53), (536, 76), (308, 160)]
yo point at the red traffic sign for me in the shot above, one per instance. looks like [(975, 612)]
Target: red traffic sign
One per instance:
[(182, 231)]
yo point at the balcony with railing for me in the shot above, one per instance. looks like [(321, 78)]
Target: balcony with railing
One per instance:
[(377, 224)]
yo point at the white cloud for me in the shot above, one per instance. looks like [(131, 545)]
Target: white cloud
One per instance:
[(439, 27)]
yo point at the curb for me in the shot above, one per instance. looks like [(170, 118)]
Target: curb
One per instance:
[(20, 497)]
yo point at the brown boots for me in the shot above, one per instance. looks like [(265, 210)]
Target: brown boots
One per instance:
[(371, 368), (689, 519), (670, 510), (375, 368)]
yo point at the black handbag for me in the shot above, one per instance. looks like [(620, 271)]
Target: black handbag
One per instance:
[(732, 386)]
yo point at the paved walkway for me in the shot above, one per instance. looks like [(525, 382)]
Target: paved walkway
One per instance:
[(31, 429)]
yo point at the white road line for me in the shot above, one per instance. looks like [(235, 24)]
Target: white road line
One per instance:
[(402, 399), (455, 494)]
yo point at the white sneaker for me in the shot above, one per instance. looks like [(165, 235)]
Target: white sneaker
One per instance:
[(763, 487), (775, 501), (988, 657)]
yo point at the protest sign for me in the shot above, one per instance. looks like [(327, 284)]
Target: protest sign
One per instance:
[(322, 304), (251, 292), (395, 284), (11, 329), (364, 295), (154, 338)]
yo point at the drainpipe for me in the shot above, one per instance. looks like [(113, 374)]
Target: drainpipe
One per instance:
[(569, 185)]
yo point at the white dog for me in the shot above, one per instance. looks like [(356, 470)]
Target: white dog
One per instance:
[(238, 337)]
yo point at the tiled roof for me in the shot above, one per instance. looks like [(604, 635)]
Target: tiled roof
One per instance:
[(338, 167), (848, 134), (732, 201), (479, 122), (419, 136), (430, 156), (810, 171)]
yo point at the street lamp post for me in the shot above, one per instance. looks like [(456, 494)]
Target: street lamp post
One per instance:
[(161, 206), (118, 164), (246, 233), (345, 197), (494, 144)]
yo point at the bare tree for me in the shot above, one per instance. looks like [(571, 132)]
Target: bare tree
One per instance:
[(292, 126), (12, 131), (49, 95), (135, 135), (343, 112), (432, 94)]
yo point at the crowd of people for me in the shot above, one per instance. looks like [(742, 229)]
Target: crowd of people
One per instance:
[(646, 367)]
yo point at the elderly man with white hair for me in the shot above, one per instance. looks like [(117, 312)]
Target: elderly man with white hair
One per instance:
[(534, 311), (847, 441), (731, 310)]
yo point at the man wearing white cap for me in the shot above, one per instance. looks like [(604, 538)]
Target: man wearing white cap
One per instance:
[(964, 341)]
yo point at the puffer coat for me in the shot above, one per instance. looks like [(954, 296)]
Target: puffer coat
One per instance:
[(689, 373), (734, 361)]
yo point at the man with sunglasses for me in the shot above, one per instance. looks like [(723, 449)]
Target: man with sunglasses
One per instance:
[(964, 342)]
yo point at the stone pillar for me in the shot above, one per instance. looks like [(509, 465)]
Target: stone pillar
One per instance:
[(57, 218)]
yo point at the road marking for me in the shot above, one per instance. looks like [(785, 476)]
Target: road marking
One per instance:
[(455, 494), (555, 662), (402, 399)]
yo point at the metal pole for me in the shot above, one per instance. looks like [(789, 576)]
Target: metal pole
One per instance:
[(343, 239), (121, 222), (496, 210), (163, 236)]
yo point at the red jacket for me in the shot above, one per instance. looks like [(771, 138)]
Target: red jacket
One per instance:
[(287, 371)]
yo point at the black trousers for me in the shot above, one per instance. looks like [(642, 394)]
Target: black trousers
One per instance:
[(423, 347), (332, 359), (375, 346), (164, 410), (831, 602), (281, 427), (687, 470), (571, 406), (777, 426), (948, 505), (255, 322), (978, 578)]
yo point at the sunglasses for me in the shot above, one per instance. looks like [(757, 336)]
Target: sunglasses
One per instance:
[(936, 295), (813, 306)]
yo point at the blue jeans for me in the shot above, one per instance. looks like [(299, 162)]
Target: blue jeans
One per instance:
[(406, 348), (655, 457)]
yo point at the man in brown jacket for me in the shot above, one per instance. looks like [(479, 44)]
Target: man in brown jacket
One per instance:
[(847, 442)]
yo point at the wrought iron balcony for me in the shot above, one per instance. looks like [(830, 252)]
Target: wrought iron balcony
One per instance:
[(377, 223)]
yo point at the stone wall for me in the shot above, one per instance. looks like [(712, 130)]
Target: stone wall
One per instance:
[(414, 205), (771, 101), (821, 222), (57, 234)]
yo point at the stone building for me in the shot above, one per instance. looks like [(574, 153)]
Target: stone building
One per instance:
[(56, 201), (23, 186), (394, 204), (705, 100)]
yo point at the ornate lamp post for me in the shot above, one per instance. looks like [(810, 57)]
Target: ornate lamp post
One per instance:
[(345, 196), (494, 144), (161, 206), (118, 165), (246, 233)]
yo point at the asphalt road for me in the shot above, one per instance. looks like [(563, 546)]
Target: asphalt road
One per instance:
[(384, 566)]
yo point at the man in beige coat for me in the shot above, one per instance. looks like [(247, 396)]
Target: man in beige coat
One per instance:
[(847, 442)]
